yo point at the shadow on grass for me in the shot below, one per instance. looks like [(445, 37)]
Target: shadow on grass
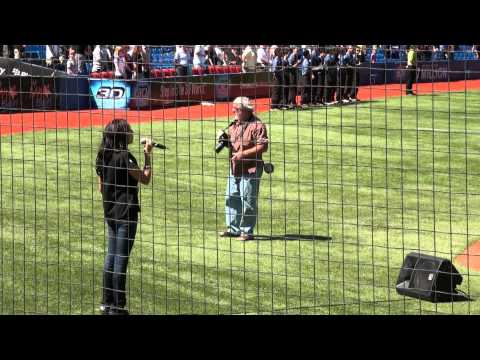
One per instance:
[(292, 237)]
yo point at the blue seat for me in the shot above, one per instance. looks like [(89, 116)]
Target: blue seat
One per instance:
[(458, 56), (470, 56), (36, 51)]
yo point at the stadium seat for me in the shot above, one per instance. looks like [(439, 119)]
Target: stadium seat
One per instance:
[(458, 56), (211, 69)]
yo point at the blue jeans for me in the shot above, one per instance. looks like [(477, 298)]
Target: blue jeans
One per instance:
[(121, 235), (241, 199)]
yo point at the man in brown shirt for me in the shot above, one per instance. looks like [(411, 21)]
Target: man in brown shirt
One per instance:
[(247, 141)]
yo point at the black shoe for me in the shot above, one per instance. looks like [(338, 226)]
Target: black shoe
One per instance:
[(105, 308), (227, 233), (117, 311)]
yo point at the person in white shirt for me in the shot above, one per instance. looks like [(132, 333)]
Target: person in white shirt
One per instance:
[(72, 65), (249, 59), (101, 58), (220, 55), (51, 52), (120, 63), (182, 60), (199, 56), (262, 57)]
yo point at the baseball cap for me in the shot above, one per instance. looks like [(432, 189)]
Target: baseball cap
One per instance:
[(244, 102)]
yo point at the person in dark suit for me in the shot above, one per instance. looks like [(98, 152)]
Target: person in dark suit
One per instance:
[(330, 64), (316, 63), (341, 74), (293, 63), (286, 76), (306, 72), (278, 75), (358, 60), (348, 63)]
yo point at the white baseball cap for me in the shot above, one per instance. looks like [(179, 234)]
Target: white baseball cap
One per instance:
[(243, 102)]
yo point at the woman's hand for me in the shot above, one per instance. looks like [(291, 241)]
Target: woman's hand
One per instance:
[(147, 147), (238, 156)]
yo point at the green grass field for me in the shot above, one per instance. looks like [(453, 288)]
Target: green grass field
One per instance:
[(381, 179)]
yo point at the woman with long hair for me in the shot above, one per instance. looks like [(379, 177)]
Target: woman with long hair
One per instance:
[(118, 178)]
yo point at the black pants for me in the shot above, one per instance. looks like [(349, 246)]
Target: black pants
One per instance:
[(292, 92), (181, 70), (307, 89), (411, 75), (277, 91), (320, 95), (349, 74), (315, 88), (331, 82), (286, 87), (355, 83), (340, 84)]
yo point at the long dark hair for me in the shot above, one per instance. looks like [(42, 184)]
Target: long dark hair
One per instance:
[(114, 139)]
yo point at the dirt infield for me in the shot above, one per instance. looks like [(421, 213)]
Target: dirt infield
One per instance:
[(470, 258), (41, 121)]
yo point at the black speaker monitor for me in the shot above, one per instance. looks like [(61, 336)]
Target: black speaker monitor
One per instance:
[(429, 278)]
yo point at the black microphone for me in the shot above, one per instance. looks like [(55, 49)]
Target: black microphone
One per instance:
[(154, 144)]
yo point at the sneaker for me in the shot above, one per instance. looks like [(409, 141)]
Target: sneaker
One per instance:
[(105, 308), (227, 233)]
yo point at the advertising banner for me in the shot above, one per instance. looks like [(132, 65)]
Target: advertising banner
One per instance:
[(222, 89), (428, 71), (73, 93), (18, 93), (142, 94), (10, 94), (171, 92), (110, 93), (13, 67)]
